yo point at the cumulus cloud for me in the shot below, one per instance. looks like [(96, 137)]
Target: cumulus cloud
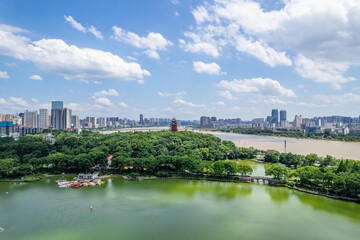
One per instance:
[(152, 43), (180, 101), (210, 68), (36, 77), (323, 72), (259, 86), (346, 98), (72, 62), (325, 32), (110, 92), (4, 75), (103, 101), (227, 94), (35, 100), (18, 101), (3, 101), (78, 26)]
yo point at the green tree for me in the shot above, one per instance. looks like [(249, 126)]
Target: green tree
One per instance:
[(244, 169), (278, 171)]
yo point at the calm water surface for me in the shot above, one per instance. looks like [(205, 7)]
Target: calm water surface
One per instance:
[(172, 209), (337, 149)]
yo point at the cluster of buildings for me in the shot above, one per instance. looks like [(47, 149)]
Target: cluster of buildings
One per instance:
[(61, 118), (278, 121)]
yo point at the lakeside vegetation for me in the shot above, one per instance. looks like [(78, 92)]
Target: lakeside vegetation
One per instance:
[(164, 154), (322, 136)]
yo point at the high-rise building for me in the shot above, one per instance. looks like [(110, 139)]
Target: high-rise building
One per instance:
[(204, 121), (43, 118), (91, 120), (141, 119), (275, 117), (57, 105), (30, 119), (282, 115), (297, 121), (213, 119), (66, 120), (101, 122), (75, 121), (60, 117)]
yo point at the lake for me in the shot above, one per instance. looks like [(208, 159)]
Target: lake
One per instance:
[(172, 209), (336, 149)]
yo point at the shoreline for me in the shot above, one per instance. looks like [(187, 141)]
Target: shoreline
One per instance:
[(240, 181), (330, 140)]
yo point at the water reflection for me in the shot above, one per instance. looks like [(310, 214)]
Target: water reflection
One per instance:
[(278, 194)]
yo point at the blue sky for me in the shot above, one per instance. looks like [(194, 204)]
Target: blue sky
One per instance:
[(224, 58)]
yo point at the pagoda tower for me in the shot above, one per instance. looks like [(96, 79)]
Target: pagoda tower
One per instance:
[(174, 126)]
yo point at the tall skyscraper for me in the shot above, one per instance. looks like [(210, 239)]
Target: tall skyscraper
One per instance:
[(141, 119), (57, 105), (297, 121), (60, 117), (282, 115), (43, 118), (275, 117), (30, 119)]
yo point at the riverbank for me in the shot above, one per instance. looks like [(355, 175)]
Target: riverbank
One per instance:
[(337, 149), (274, 136), (239, 179)]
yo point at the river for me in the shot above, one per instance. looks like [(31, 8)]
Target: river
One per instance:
[(172, 209), (338, 149)]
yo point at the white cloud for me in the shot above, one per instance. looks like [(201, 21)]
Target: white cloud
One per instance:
[(339, 99), (323, 72), (103, 101), (122, 104), (19, 101), (3, 101), (210, 68), (12, 29), (131, 58), (75, 24), (72, 62), (4, 75), (309, 105), (324, 31), (167, 94), (227, 94), (260, 86), (152, 43), (220, 103), (95, 32), (36, 77), (180, 101), (78, 26), (35, 100), (110, 92)]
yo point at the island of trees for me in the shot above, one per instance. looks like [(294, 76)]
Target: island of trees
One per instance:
[(165, 154)]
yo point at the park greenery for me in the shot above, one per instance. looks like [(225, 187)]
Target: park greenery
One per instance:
[(327, 135), (164, 154)]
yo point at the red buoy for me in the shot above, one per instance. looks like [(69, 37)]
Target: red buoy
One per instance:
[(91, 208)]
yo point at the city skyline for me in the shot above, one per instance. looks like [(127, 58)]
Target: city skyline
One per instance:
[(180, 58)]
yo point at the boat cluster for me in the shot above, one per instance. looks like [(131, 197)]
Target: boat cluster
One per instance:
[(77, 184)]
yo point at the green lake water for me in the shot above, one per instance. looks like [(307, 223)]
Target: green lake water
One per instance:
[(172, 209)]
